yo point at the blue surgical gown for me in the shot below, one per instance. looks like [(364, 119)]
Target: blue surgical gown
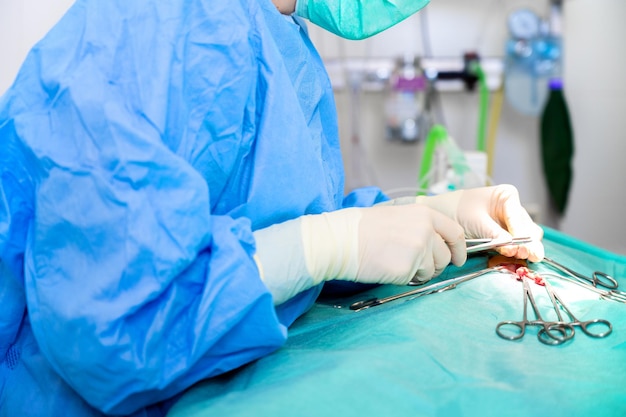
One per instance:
[(140, 145)]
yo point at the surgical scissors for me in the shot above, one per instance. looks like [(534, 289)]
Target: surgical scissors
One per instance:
[(597, 278), (556, 332), (430, 289), (584, 325)]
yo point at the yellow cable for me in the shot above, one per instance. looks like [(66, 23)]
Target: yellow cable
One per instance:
[(494, 120)]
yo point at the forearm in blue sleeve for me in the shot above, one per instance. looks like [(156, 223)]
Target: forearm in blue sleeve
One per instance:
[(135, 291), (364, 197)]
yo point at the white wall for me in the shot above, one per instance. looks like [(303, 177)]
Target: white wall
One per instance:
[(455, 27), (596, 89), (22, 23), (595, 61)]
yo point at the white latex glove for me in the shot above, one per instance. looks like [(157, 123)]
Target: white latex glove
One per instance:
[(382, 244), (489, 212)]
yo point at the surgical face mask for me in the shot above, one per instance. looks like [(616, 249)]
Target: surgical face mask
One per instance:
[(357, 19)]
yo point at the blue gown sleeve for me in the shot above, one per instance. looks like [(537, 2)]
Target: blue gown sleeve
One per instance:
[(364, 197), (135, 291), (135, 288)]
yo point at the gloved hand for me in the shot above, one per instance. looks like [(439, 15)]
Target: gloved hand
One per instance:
[(381, 244), (489, 212)]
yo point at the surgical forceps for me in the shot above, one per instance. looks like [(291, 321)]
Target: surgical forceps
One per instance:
[(584, 325), (601, 283), (613, 295), (430, 289), (551, 333), (478, 245), (597, 278)]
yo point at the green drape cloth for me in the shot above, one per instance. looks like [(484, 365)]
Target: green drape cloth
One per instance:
[(437, 355)]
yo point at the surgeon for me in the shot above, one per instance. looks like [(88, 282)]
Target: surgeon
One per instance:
[(171, 200)]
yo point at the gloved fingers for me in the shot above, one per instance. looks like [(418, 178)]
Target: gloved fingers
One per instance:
[(520, 252), (433, 263), (490, 228), (398, 243), (425, 270), (442, 255), (484, 226), (453, 237), (496, 212), (519, 223), (532, 251)]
